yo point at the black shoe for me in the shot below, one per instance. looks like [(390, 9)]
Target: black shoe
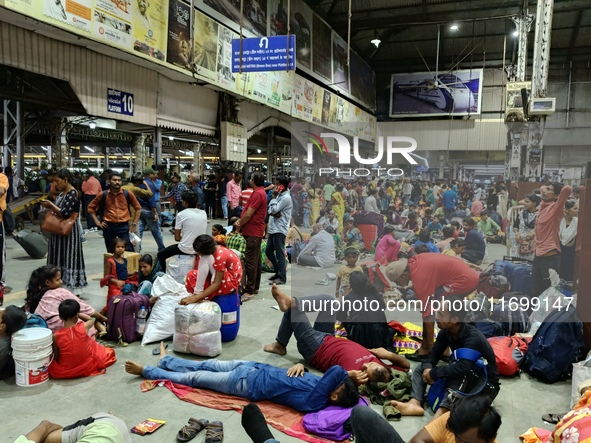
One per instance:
[(273, 277)]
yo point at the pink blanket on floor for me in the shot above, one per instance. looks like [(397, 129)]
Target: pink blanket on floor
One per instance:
[(280, 417)]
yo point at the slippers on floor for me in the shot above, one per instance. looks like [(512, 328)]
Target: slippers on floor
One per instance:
[(553, 418), (188, 432), (214, 432), (156, 350)]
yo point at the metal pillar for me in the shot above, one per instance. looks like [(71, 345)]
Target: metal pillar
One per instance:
[(12, 136), (535, 146), (197, 159), (157, 146), (516, 134), (59, 145), (138, 150), (106, 158), (270, 152)]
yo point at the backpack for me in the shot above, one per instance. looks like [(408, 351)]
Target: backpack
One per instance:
[(375, 275), (35, 185), (493, 284), (514, 321), (509, 353), (484, 308), (489, 328), (35, 321), (121, 315), (558, 344), (104, 198), (332, 422), (438, 390)]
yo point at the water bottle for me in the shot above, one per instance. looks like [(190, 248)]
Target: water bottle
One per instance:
[(140, 326)]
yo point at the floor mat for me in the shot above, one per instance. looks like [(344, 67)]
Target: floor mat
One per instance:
[(282, 418)]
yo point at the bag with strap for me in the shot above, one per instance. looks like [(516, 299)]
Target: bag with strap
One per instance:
[(35, 321), (376, 277), (332, 422), (122, 316), (493, 284), (489, 328), (509, 353), (54, 224), (514, 321), (558, 344), (439, 391)]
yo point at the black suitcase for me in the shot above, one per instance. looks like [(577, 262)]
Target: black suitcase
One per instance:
[(33, 243)]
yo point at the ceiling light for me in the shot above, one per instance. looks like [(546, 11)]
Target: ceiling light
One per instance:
[(88, 149), (170, 137), (516, 33), (376, 40), (454, 27), (92, 125), (258, 151)]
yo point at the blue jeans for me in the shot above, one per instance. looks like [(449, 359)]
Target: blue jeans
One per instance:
[(227, 377), (224, 203), (147, 218), (275, 252), (295, 321)]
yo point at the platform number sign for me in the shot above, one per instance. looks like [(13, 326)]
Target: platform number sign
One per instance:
[(119, 102)]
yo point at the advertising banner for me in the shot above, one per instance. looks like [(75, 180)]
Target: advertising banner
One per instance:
[(274, 89), (514, 111), (300, 25), (206, 45), (322, 48), (340, 70), (363, 86), (425, 94), (254, 14), (225, 76), (113, 22), (150, 22), (74, 13), (179, 34)]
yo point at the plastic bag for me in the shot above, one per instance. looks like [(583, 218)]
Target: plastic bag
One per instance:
[(135, 241), (550, 298), (160, 325), (581, 373), (197, 329), (179, 266)]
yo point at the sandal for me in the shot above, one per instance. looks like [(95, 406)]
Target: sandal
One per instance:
[(246, 297), (188, 432), (553, 418), (214, 432)]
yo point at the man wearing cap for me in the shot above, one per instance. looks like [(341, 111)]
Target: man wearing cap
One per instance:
[(432, 276), (149, 212), (91, 187)]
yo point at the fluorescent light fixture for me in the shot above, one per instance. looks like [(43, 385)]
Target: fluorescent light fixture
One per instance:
[(92, 125), (454, 27), (170, 137), (88, 149), (44, 148), (516, 33)]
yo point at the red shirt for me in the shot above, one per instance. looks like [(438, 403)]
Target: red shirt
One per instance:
[(548, 223), (431, 271), (346, 353), (255, 227), (227, 262)]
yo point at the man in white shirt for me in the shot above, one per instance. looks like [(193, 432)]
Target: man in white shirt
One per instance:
[(320, 250), (478, 192), (371, 204), (190, 223), (330, 220), (406, 190)]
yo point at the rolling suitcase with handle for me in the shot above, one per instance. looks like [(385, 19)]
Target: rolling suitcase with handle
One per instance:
[(33, 243)]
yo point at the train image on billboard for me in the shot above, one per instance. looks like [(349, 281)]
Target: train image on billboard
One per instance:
[(447, 92)]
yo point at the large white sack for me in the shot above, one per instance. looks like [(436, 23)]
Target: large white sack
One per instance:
[(160, 324), (197, 329), (179, 266)]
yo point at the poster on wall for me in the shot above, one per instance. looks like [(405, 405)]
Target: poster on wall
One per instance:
[(321, 45), (422, 94), (274, 88), (206, 45), (303, 98), (363, 85), (300, 25), (178, 51), (326, 101), (150, 22), (340, 70), (254, 17), (224, 68), (112, 22), (514, 111), (74, 13)]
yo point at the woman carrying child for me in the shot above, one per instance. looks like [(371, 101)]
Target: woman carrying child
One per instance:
[(118, 277), (75, 354), (44, 295)]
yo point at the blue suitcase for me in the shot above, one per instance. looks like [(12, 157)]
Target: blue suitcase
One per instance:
[(521, 280)]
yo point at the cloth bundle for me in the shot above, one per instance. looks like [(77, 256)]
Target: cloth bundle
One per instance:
[(197, 329)]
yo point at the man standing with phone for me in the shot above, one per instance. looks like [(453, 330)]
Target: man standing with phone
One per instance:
[(280, 208)]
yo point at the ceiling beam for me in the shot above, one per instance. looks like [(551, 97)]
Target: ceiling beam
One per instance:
[(575, 34)]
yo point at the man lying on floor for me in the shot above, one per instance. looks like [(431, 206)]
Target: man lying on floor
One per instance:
[(293, 387), (322, 350)]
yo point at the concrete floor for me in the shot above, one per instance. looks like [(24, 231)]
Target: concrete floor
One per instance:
[(521, 401)]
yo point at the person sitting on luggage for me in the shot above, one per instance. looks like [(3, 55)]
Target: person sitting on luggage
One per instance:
[(98, 428), (118, 277), (425, 239), (149, 272), (322, 349), (12, 319), (293, 387), (460, 375), (475, 245), (491, 230), (75, 354), (44, 295)]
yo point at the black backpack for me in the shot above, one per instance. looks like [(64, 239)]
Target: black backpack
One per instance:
[(35, 186), (558, 344)]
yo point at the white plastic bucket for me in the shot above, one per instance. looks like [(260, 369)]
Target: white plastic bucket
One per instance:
[(32, 353)]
